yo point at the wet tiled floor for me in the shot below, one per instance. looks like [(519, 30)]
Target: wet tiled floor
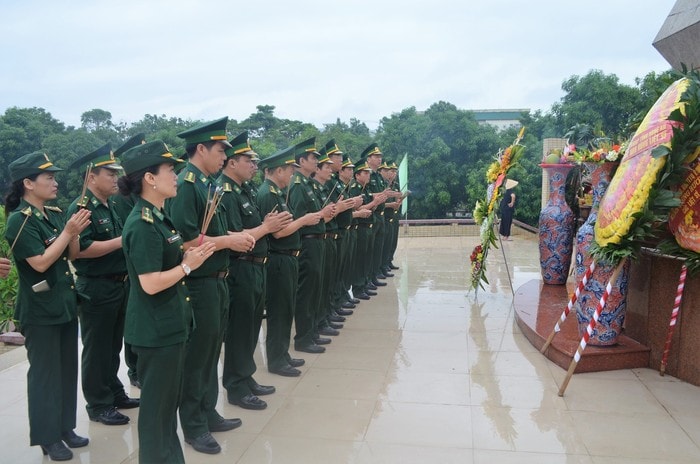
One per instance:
[(423, 373)]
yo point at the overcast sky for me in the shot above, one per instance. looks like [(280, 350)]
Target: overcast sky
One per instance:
[(314, 60)]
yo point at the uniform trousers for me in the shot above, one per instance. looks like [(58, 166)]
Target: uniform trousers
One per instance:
[(308, 291), (209, 299), (102, 317), (362, 259), (246, 285), (52, 380), (376, 261), (160, 370), (281, 292)]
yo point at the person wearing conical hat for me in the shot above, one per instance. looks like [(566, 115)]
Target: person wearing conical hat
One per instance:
[(507, 208), (302, 201), (200, 220), (42, 242), (159, 316), (247, 273), (102, 279)]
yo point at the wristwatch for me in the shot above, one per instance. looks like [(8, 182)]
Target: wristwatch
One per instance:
[(186, 268)]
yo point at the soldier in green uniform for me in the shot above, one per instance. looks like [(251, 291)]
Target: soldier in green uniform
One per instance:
[(303, 200), (246, 279), (190, 210), (123, 206), (363, 226), (283, 266), (42, 242), (102, 279), (388, 171), (377, 189), (159, 314)]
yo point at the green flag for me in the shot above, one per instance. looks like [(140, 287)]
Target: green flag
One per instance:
[(403, 183)]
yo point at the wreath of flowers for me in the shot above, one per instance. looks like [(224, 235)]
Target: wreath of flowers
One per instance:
[(485, 212), (658, 192)]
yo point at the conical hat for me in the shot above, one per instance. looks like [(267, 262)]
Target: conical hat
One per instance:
[(510, 183)]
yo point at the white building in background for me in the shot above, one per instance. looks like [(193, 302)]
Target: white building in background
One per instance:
[(500, 119)]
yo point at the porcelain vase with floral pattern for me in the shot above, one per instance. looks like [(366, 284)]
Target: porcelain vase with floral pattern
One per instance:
[(556, 227)]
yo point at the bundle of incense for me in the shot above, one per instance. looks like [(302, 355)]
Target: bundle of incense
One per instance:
[(329, 196), (82, 202), (210, 208)]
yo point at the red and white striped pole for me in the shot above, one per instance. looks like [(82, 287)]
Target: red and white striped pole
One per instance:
[(569, 306), (674, 317), (591, 326)]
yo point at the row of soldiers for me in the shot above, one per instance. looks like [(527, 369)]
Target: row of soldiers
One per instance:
[(291, 251)]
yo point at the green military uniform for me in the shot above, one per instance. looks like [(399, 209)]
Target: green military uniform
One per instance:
[(246, 281), (362, 261), (282, 268), (103, 282), (157, 326), (391, 223), (47, 319), (303, 200), (207, 286), (123, 206), (346, 244), (376, 185)]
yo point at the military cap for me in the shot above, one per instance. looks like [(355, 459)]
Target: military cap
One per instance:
[(392, 165), (331, 148), (362, 166), (281, 158), (306, 146), (146, 155), (131, 142), (240, 145), (384, 165), (347, 162), (372, 149), (103, 157), (207, 132), (324, 158), (32, 163)]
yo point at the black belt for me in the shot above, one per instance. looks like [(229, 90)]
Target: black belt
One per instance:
[(253, 259), (214, 275), (114, 277), (365, 225), (294, 253), (320, 236)]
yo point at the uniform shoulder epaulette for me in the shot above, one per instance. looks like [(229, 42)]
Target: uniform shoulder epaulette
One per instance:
[(147, 215), (54, 208), (190, 177), (273, 190), (27, 211), (236, 188), (227, 187), (297, 180)]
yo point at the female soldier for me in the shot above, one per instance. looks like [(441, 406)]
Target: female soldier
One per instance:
[(158, 315), (46, 304)]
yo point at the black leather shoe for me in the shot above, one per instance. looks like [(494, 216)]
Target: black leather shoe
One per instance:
[(355, 301), (387, 273), (333, 326), (73, 440), (260, 390), (135, 383), (204, 443), (224, 425), (336, 318), (295, 362), (393, 266), (345, 312), (379, 276), (379, 283), (111, 417), (322, 341), (310, 349), (286, 371), (124, 402), (346, 305), (370, 292), (57, 451), (370, 286), (363, 296), (249, 402)]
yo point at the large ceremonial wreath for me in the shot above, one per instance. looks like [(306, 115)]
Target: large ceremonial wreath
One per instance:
[(485, 210)]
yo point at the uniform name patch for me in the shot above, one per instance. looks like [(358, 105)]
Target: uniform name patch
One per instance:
[(174, 238)]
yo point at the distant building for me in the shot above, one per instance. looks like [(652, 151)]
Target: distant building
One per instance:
[(500, 119)]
